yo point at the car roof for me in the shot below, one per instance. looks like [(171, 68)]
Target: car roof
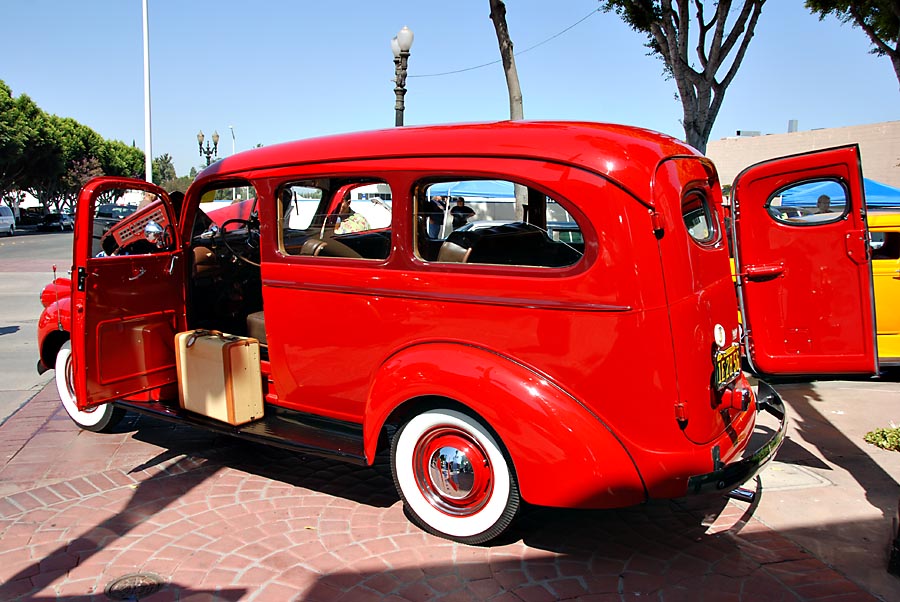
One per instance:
[(627, 155)]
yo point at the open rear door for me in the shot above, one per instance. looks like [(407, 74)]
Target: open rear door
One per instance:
[(128, 298), (802, 265)]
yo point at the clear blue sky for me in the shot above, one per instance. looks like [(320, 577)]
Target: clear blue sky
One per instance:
[(281, 69)]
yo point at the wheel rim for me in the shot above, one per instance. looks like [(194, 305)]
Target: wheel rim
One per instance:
[(453, 471)]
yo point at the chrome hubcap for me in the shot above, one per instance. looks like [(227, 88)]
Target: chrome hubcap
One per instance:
[(453, 471)]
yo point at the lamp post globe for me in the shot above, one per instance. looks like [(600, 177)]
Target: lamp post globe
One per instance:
[(209, 151)]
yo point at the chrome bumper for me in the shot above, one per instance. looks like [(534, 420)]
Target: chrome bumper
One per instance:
[(729, 476)]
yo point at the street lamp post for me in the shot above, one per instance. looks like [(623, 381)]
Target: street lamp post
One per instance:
[(400, 46), (233, 190), (209, 151)]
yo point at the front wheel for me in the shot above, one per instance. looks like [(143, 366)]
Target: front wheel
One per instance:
[(100, 419), (454, 477)]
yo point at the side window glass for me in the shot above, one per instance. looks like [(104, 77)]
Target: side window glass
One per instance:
[(331, 217), (474, 221), (817, 202), (885, 245), (698, 217), (562, 227), (130, 222)]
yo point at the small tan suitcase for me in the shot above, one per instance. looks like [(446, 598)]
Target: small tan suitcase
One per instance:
[(219, 375)]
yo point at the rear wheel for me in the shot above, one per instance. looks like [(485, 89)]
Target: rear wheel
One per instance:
[(99, 419), (454, 477)]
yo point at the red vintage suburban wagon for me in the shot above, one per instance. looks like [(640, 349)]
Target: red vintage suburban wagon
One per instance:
[(594, 363)]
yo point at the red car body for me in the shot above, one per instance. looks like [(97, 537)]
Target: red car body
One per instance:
[(599, 375)]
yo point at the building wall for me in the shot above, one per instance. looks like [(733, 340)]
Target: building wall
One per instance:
[(879, 146)]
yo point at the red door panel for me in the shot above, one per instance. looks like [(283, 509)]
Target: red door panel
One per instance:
[(128, 304), (802, 266)]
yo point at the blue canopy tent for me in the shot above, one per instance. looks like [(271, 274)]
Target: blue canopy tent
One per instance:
[(805, 195), (491, 189)]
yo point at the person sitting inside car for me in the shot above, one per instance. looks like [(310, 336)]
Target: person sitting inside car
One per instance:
[(349, 220)]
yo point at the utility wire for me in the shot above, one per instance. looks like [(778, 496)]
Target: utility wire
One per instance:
[(553, 37)]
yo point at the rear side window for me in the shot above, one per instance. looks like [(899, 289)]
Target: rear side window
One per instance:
[(809, 203), (475, 221), (699, 218)]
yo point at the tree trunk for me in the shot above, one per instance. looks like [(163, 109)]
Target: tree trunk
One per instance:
[(516, 107)]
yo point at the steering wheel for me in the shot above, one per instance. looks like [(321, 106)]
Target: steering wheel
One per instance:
[(250, 242)]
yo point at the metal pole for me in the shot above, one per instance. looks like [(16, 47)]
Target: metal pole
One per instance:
[(148, 143), (233, 190), (400, 65)]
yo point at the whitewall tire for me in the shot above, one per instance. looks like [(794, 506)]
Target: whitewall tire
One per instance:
[(454, 477), (99, 419)]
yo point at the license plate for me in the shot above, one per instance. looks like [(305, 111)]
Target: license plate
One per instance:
[(728, 366)]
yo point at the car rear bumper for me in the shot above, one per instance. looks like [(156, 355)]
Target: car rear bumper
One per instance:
[(729, 476)]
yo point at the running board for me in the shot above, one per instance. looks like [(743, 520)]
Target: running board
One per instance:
[(280, 427)]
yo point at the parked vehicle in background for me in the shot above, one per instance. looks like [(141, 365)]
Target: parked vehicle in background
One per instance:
[(493, 365), (57, 221), (7, 220), (884, 233)]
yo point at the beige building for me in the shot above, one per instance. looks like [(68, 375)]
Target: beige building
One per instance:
[(879, 146)]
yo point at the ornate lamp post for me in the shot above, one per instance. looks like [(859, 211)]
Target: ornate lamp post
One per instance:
[(400, 45), (209, 152)]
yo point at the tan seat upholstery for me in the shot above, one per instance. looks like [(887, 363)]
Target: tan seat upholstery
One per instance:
[(256, 327), (451, 252), (312, 246)]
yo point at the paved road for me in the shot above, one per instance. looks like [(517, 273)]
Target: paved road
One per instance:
[(26, 262)]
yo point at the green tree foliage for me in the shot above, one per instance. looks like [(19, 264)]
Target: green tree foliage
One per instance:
[(880, 19), (53, 157), (163, 169), (120, 159), (719, 41), (14, 134)]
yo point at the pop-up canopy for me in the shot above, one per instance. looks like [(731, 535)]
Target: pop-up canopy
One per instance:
[(493, 189), (805, 195)]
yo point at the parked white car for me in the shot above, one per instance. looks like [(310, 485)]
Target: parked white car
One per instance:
[(7, 221)]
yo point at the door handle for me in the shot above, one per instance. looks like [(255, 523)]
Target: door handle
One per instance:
[(763, 272), (139, 273)]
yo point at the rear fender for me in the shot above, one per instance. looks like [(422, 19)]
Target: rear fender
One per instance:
[(563, 454)]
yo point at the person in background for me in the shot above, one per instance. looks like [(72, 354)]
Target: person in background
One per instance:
[(148, 198), (434, 211), (461, 213), (823, 204)]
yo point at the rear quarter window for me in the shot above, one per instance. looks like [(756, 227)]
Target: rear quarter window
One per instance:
[(699, 218)]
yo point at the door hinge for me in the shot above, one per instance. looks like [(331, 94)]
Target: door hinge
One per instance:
[(681, 414), (82, 275), (657, 222), (857, 246)]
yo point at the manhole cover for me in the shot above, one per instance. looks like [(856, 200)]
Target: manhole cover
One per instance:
[(134, 586)]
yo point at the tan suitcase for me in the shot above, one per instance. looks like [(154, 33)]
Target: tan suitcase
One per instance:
[(219, 375)]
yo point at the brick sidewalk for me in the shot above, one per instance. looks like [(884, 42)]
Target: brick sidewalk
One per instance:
[(221, 519)]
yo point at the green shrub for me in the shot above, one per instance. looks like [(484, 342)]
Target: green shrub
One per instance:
[(888, 438)]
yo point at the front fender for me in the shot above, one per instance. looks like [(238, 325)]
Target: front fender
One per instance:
[(53, 330), (563, 454)]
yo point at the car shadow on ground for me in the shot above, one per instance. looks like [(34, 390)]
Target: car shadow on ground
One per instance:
[(662, 548)]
